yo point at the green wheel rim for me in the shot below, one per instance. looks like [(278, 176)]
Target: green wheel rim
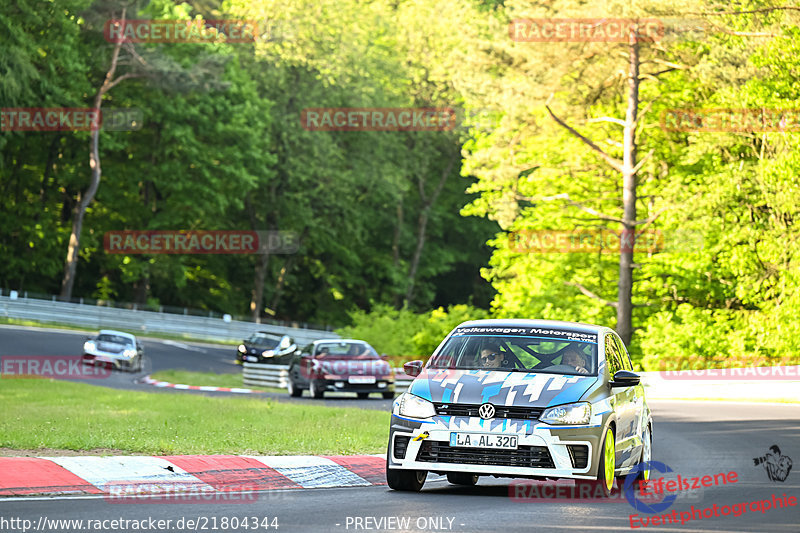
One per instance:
[(608, 459), (647, 454)]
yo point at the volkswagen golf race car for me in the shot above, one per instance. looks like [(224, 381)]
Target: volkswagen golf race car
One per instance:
[(534, 399)]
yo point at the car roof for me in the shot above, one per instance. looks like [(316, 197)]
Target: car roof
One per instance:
[(529, 323), (119, 333), (318, 341), (270, 334)]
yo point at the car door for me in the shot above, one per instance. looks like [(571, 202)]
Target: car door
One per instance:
[(637, 404), (622, 402), (299, 367)]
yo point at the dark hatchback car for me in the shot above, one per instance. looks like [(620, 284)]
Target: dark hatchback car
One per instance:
[(265, 347), (341, 365)]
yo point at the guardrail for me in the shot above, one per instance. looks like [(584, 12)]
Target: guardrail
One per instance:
[(262, 375), (142, 322)]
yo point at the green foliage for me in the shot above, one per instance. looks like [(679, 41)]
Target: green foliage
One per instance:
[(407, 334)]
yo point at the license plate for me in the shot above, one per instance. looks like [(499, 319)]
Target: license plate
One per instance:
[(484, 440), (361, 380), (251, 359)]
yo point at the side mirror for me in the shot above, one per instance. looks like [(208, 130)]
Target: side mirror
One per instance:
[(625, 378), (413, 368)]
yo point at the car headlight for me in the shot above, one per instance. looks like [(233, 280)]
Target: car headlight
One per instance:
[(268, 353), (129, 353), (241, 348), (414, 406), (570, 414), (89, 346)]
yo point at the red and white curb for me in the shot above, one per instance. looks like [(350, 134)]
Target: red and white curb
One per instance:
[(207, 473), (156, 383)]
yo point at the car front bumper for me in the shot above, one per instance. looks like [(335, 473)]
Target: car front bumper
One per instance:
[(544, 451), (342, 384), (117, 361)]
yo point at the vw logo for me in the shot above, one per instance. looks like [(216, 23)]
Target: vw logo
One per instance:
[(486, 411)]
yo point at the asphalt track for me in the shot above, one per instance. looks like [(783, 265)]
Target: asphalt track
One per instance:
[(693, 438), (160, 355)]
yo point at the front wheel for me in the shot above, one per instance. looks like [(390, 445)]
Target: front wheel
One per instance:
[(607, 463), (405, 480), (315, 389), (388, 396), (294, 392), (462, 478), (647, 456)]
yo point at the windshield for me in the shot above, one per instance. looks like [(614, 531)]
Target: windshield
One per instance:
[(346, 349), (267, 341), (519, 349), (115, 339)]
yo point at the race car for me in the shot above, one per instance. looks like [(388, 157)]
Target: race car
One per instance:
[(522, 398), (266, 347), (114, 349), (340, 365)]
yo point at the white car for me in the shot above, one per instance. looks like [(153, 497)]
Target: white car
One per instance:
[(115, 349), (522, 398)]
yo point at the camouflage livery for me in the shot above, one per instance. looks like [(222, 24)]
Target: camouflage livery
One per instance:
[(624, 410)]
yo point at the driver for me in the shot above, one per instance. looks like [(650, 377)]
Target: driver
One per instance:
[(575, 359), (490, 356)]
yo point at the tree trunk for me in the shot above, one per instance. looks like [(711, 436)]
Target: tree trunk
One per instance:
[(287, 267), (625, 286), (71, 263), (259, 273), (422, 224), (398, 230)]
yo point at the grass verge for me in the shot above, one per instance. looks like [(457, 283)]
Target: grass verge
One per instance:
[(41, 413), (207, 379)]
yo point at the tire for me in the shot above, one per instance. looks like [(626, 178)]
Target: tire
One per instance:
[(405, 480), (462, 478), (388, 395), (294, 392), (647, 455), (598, 488), (315, 389), (605, 469), (362, 395)]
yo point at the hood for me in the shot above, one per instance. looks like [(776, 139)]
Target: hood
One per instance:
[(368, 365), (521, 389), (111, 347)]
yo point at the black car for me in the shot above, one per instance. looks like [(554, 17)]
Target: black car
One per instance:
[(265, 347)]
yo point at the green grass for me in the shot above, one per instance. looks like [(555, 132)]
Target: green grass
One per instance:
[(41, 413), (207, 379)]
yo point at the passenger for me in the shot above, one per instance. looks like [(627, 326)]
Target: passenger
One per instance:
[(575, 359)]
